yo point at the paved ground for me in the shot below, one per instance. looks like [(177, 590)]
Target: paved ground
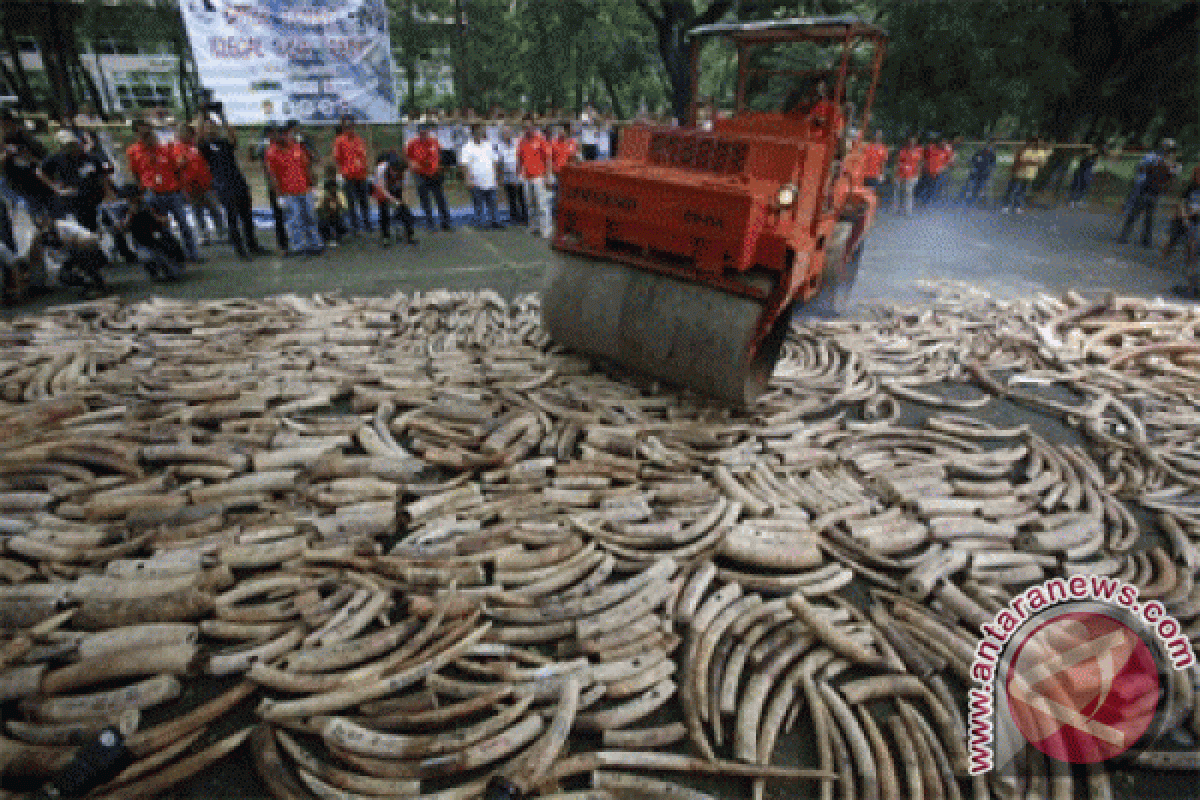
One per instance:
[(1049, 250), (1045, 250)]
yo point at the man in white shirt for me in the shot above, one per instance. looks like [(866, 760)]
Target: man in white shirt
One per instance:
[(479, 164), (510, 173), (589, 137)]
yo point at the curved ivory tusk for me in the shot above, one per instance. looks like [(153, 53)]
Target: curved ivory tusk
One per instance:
[(149, 740), (346, 734), (150, 762), (140, 696), (644, 738), (914, 782), (172, 660), (271, 767), (345, 698), (183, 769), (837, 641), (627, 785)]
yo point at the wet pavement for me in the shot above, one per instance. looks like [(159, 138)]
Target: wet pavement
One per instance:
[(1009, 255), (1044, 250)]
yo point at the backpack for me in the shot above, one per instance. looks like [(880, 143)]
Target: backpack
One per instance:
[(1158, 177)]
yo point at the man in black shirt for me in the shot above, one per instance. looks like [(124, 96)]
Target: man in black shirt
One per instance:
[(20, 155), (219, 148), (81, 174)]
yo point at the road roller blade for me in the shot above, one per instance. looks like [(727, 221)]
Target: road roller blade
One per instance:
[(686, 334)]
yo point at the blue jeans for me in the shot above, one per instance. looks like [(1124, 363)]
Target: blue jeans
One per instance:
[(1143, 206), (429, 190), (1080, 184), (974, 189), (174, 204), (357, 193), (301, 221), (1014, 195), (481, 199)]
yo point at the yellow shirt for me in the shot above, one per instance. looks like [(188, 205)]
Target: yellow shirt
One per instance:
[(1033, 160)]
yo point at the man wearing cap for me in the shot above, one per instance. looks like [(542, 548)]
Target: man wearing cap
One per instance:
[(425, 159), (157, 168), (81, 174), (289, 165)]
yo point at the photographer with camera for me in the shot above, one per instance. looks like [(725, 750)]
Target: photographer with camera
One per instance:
[(218, 146)]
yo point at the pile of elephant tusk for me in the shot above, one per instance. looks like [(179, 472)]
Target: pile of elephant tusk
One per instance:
[(420, 552)]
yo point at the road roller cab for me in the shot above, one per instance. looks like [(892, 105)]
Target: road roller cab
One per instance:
[(699, 240)]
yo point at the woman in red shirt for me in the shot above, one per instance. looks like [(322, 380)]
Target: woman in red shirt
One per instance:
[(197, 183), (350, 155), (907, 170)]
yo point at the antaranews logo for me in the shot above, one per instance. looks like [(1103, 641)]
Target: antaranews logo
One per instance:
[(1074, 666)]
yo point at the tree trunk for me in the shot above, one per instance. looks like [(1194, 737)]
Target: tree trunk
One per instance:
[(613, 98), (461, 78), (410, 71), (24, 93), (672, 25)]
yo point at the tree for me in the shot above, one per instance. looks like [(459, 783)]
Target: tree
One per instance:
[(417, 28), (672, 19)]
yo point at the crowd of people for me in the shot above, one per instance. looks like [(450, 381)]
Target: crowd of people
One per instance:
[(187, 189), (919, 174)]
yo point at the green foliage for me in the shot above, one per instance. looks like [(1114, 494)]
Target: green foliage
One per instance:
[(1096, 70), (533, 54)]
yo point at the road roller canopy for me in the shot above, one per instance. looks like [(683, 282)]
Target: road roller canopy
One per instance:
[(782, 62), (792, 29)]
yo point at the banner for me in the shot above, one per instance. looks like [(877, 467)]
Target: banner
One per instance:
[(311, 60)]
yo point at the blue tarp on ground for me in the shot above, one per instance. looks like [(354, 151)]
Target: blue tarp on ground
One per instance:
[(459, 216)]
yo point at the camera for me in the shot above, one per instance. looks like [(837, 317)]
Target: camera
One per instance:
[(208, 103)]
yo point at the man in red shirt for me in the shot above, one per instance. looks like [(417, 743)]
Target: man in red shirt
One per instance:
[(875, 157), (197, 183), (906, 171), (425, 160), (563, 149), (350, 155), (939, 156), (157, 168), (534, 162), (289, 169)]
